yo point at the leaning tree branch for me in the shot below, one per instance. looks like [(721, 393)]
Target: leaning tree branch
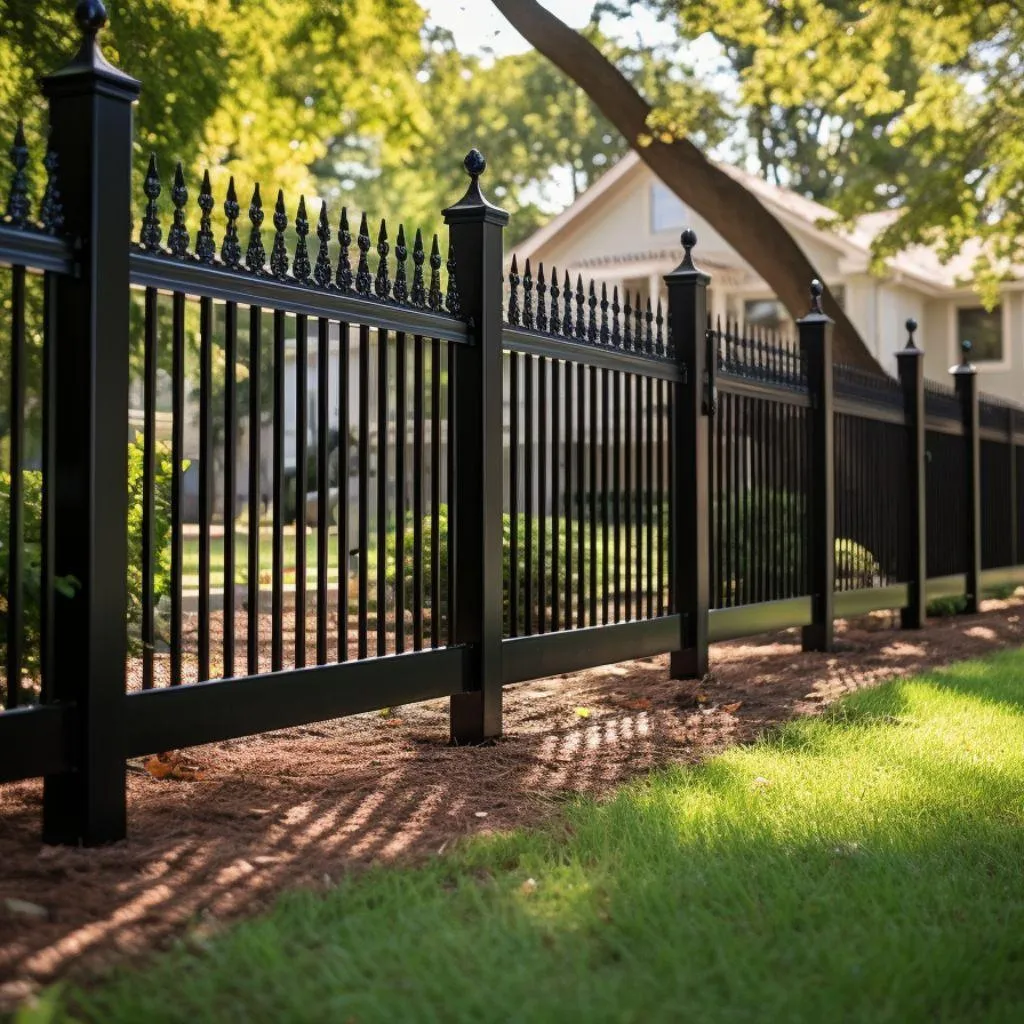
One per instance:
[(735, 213)]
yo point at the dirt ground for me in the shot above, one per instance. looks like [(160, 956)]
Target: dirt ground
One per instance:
[(300, 807)]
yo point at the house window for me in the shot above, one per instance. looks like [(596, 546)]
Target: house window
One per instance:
[(667, 212), (767, 313), (984, 330)]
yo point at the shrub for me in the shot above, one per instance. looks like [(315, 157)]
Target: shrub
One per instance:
[(855, 564), (32, 559)]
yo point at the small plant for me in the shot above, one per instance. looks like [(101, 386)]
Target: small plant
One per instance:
[(944, 607)]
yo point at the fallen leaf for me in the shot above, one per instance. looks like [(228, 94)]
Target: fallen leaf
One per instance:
[(583, 712), (701, 698), (173, 766), (22, 908), (731, 709), (641, 704)]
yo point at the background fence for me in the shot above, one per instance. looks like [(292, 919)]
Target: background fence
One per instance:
[(262, 474)]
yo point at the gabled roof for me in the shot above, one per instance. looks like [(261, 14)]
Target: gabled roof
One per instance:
[(919, 263)]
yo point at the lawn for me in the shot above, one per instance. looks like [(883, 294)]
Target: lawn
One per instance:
[(863, 866)]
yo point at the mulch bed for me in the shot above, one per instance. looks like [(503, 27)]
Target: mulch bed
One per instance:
[(301, 807)]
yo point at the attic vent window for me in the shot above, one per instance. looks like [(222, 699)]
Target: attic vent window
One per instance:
[(667, 211)]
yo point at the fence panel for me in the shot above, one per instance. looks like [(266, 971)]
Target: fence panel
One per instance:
[(946, 502), (587, 460), (997, 518), (872, 502)]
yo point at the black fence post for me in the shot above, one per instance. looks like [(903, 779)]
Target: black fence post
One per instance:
[(475, 229), (91, 132), (965, 377), (692, 406), (816, 354), (1011, 440), (910, 361)]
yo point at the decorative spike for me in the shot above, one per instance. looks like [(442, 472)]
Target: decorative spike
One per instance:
[(659, 320), (177, 237), (434, 295), (592, 320), (604, 314), (542, 308), (451, 300), (300, 265), (581, 302), (322, 270), (401, 289), (17, 201), (513, 294), (616, 309), (52, 211), (567, 324), (255, 254), (555, 318), (343, 278), (638, 325), (206, 245), (151, 233), (382, 283), (649, 333), (419, 296), (231, 250), (528, 296), (279, 252), (627, 325), (363, 279)]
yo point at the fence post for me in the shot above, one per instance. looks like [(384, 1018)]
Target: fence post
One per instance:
[(690, 571), (1011, 440), (910, 361), (816, 352), (475, 229), (91, 132), (965, 377)]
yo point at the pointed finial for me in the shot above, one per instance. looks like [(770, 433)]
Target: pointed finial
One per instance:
[(322, 270), (343, 277), (300, 265), (451, 298), (51, 212), (279, 251), (419, 293), (604, 313), (177, 237), (616, 327), (592, 319), (542, 308), (568, 328), (363, 280), (513, 293), (627, 323), (434, 296), (581, 325), (17, 202), (255, 254), (401, 288), (231, 249), (528, 296), (206, 246), (151, 233), (555, 316), (816, 292), (382, 283)]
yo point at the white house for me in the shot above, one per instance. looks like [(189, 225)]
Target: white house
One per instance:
[(624, 230)]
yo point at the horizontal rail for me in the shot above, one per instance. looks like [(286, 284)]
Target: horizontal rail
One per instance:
[(185, 716), (751, 619), (552, 654), (762, 389), (167, 273), (870, 410), (26, 248), (848, 603), (35, 741), (534, 343)]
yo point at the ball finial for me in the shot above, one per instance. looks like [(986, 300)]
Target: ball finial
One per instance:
[(817, 290), (911, 326), (91, 16), (689, 239), (966, 347), (474, 163)]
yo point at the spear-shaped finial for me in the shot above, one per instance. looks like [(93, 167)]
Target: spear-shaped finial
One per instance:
[(363, 280), (231, 248), (177, 237), (322, 270), (206, 246), (151, 233), (513, 296), (279, 251), (419, 256), (17, 201), (343, 277), (382, 283), (401, 288), (300, 265), (255, 254)]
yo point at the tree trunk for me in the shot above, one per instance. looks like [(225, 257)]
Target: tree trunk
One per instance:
[(735, 213)]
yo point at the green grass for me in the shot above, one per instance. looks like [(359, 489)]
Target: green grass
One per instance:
[(866, 866)]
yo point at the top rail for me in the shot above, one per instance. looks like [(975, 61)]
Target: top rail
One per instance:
[(27, 247), (156, 270)]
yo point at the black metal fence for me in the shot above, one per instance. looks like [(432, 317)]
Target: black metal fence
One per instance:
[(252, 482)]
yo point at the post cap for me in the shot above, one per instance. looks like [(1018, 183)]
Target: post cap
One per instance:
[(687, 269), (91, 16), (816, 314), (474, 205), (965, 368), (910, 349), (89, 71)]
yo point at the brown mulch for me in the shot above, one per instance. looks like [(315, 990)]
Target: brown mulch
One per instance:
[(303, 806)]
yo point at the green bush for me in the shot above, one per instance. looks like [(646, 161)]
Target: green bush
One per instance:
[(66, 586), (780, 518), (944, 607), (506, 528)]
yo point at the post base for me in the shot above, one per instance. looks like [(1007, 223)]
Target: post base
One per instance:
[(475, 717), (818, 637), (691, 663)]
